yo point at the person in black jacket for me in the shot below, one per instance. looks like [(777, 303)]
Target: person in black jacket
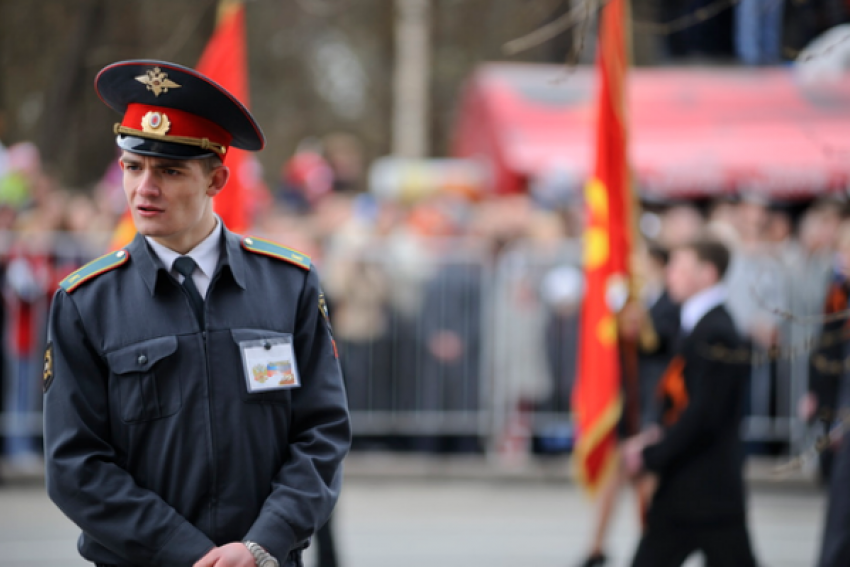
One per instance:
[(829, 402), (697, 455), (194, 406)]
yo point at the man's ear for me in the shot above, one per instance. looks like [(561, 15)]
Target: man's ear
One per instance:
[(218, 179)]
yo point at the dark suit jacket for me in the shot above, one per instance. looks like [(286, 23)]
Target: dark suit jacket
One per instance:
[(830, 351), (700, 457)]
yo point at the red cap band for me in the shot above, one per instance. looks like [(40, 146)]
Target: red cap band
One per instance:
[(169, 123)]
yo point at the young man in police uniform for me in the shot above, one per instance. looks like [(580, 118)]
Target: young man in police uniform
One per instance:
[(194, 406), (699, 504)]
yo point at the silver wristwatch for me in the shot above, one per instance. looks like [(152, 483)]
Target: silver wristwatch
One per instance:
[(261, 557)]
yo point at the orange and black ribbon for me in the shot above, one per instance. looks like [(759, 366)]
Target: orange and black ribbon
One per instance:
[(672, 390)]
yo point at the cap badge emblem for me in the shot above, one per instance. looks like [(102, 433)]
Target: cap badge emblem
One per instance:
[(156, 123), (157, 81)]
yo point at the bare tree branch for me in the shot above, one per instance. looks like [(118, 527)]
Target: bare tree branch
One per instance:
[(578, 14)]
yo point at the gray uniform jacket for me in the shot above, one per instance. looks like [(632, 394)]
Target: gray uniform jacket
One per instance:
[(154, 446)]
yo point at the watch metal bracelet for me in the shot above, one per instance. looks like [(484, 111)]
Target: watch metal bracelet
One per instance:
[(262, 558)]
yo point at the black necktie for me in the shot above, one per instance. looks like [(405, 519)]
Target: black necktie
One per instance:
[(185, 266)]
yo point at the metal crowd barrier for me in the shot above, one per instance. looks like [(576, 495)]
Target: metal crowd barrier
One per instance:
[(446, 345), (412, 324), (32, 262)]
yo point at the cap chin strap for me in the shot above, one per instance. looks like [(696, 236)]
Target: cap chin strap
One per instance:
[(203, 143)]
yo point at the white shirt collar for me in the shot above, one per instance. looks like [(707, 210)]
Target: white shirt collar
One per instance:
[(205, 254), (697, 306)]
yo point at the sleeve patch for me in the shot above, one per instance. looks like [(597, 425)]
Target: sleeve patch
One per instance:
[(94, 268), (323, 309), (273, 250), (48, 367)]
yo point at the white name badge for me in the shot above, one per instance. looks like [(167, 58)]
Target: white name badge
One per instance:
[(269, 364)]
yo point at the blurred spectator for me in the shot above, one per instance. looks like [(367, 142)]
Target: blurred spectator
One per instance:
[(535, 274), (821, 402), (757, 294), (305, 178), (722, 211), (451, 330), (526, 348), (562, 291), (780, 230), (680, 223), (22, 175), (828, 402), (808, 271), (820, 225), (31, 278), (707, 39), (344, 155), (320, 168), (358, 288), (758, 31), (33, 211)]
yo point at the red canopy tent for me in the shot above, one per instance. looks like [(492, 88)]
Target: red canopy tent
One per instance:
[(695, 132)]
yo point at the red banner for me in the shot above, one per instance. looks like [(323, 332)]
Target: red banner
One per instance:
[(597, 400), (225, 61)]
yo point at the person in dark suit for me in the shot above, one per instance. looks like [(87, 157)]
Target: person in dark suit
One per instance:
[(697, 454), (835, 543), (829, 402), (821, 403)]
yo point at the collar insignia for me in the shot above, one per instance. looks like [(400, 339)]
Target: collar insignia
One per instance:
[(157, 81)]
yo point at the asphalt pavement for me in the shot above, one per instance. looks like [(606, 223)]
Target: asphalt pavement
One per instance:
[(452, 522)]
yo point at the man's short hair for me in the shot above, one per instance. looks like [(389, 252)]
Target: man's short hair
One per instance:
[(659, 253), (208, 164), (710, 250)]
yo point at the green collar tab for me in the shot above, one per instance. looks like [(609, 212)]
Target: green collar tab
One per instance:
[(93, 269), (268, 248)]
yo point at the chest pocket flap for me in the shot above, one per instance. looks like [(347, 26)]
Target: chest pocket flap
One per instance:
[(148, 387)]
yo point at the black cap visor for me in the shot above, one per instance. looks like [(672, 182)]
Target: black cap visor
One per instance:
[(159, 148)]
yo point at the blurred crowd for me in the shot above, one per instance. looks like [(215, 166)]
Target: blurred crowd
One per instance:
[(447, 305), (755, 32)]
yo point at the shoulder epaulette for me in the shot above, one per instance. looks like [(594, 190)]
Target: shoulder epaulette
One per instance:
[(268, 248), (93, 269)]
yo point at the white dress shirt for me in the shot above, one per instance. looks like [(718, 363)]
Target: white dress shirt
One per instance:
[(205, 254), (697, 306)]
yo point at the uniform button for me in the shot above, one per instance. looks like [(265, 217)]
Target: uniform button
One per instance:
[(142, 359), (120, 254), (249, 242)]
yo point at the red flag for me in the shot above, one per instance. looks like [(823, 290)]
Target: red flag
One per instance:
[(596, 398), (225, 61)]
